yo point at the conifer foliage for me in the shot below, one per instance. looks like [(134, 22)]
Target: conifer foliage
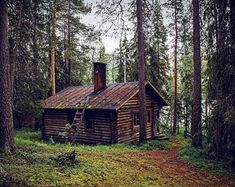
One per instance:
[(219, 18), (30, 36)]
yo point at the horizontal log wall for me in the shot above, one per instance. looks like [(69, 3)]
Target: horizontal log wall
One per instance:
[(54, 121), (126, 131), (102, 131)]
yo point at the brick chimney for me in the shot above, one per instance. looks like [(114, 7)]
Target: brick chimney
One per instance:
[(99, 76)]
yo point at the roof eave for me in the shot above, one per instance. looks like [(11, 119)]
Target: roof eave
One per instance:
[(164, 101)]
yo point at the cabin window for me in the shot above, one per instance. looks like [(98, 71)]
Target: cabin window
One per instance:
[(136, 118), (89, 120), (89, 123)]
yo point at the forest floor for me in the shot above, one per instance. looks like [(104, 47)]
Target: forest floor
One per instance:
[(152, 164)]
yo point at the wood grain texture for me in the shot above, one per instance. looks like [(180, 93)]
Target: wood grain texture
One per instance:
[(126, 131)]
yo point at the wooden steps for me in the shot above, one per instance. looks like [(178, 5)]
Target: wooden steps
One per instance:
[(161, 136)]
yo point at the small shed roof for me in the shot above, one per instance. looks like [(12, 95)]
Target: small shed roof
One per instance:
[(112, 97)]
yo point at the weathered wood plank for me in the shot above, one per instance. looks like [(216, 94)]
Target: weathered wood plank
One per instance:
[(126, 131), (55, 121)]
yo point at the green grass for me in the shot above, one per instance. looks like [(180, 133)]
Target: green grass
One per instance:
[(200, 159), (35, 164), (99, 165)]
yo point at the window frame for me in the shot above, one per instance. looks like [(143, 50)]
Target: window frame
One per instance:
[(149, 116), (135, 118)]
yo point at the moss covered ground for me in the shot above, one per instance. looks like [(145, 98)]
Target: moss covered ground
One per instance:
[(155, 163)]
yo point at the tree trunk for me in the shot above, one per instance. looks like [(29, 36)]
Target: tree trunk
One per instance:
[(232, 9), (175, 77), (53, 89), (12, 59), (7, 144), (232, 15), (66, 83), (125, 60), (206, 113), (196, 125), (35, 51), (141, 64), (186, 120), (69, 46)]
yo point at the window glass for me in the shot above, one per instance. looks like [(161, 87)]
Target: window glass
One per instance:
[(136, 118)]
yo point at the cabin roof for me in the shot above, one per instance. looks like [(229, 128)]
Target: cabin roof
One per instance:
[(112, 97)]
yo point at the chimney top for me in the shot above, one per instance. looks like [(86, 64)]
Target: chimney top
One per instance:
[(99, 76)]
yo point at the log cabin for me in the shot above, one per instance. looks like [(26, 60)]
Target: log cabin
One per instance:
[(101, 113)]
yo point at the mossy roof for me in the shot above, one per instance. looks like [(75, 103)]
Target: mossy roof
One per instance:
[(112, 97)]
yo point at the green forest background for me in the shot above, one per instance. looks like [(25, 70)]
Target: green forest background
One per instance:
[(78, 45)]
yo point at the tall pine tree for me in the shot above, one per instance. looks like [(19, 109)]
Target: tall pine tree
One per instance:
[(7, 144)]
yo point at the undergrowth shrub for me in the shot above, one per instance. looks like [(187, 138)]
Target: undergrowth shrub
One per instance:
[(67, 159), (200, 158)]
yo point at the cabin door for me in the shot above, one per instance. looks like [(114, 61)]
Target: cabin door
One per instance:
[(149, 116), (149, 123)]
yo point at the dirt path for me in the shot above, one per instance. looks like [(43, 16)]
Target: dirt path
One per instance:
[(176, 172)]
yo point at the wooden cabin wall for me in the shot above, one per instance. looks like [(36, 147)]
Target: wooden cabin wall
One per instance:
[(54, 121), (103, 130), (126, 131), (156, 109)]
